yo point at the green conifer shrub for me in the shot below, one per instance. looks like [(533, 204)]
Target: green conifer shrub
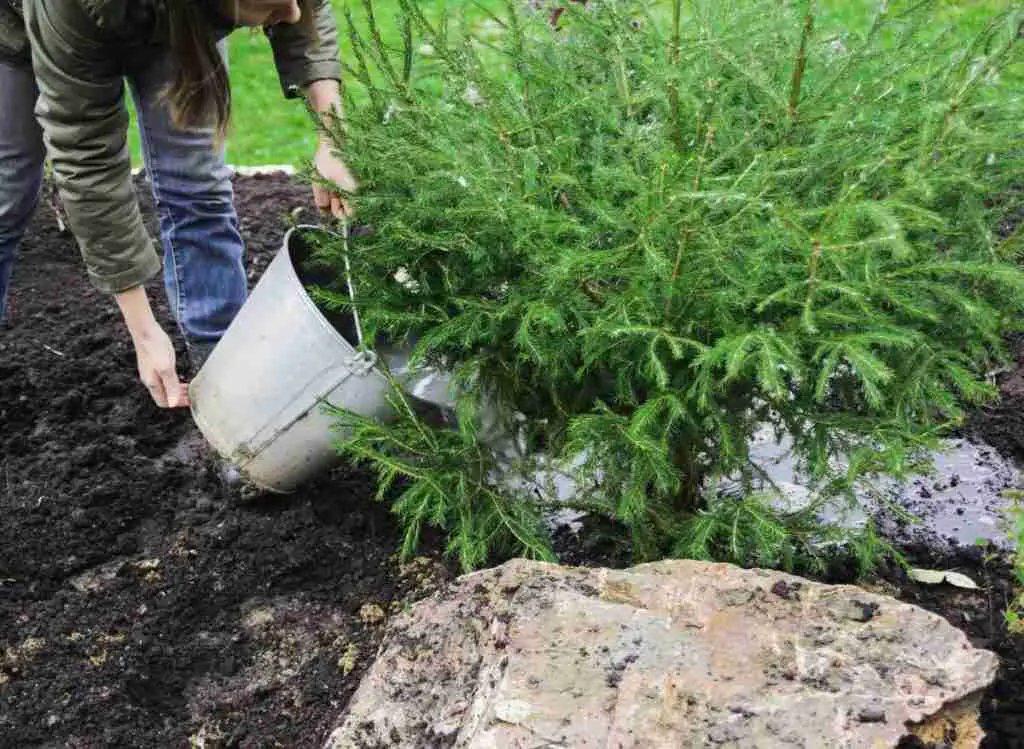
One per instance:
[(655, 228)]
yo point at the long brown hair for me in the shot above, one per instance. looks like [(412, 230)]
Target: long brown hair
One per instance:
[(200, 94)]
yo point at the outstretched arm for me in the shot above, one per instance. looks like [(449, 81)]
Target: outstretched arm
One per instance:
[(325, 99), (307, 59), (85, 125)]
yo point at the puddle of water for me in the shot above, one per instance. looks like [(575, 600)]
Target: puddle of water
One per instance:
[(960, 503), (963, 501)]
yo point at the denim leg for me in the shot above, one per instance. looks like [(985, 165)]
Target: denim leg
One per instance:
[(21, 164), (204, 274)]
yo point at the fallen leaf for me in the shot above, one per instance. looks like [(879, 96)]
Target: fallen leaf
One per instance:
[(935, 577), (928, 577), (961, 581)]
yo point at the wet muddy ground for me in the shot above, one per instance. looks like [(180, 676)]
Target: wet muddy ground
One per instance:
[(143, 605)]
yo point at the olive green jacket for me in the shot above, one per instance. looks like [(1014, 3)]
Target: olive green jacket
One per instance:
[(81, 50)]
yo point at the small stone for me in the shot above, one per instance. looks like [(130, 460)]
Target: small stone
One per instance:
[(372, 613), (259, 618), (231, 475), (347, 661)]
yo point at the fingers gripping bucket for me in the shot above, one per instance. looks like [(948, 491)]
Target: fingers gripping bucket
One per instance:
[(259, 398)]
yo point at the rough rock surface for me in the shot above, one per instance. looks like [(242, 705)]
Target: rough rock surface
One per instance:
[(671, 654)]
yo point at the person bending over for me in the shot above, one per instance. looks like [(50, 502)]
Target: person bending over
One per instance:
[(63, 69)]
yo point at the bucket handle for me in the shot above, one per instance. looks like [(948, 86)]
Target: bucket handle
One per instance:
[(343, 235), (359, 365), (348, 281)]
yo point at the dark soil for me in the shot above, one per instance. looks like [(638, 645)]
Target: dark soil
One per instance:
[(980, 614), (1002, 424), (143, 604)]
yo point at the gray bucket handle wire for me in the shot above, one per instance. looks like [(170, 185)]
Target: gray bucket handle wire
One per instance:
[(343, 235), (348, 281)]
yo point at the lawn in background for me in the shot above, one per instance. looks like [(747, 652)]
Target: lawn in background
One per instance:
[(268, 129)]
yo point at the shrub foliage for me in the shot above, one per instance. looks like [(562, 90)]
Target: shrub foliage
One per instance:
[(651, 229)]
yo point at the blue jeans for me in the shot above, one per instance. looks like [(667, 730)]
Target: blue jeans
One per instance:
[(204, 275)]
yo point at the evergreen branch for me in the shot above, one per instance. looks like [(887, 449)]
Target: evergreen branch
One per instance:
[(674, 56), (359, 48), (378, 45), (760, 84), (801, 63), (407, 51)]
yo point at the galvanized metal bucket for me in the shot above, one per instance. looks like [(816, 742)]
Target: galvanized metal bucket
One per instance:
[(259, 398)]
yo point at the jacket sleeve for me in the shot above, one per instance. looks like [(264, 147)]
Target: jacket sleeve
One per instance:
[(304, 52), (85, 126)]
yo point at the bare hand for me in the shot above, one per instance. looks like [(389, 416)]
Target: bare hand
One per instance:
[(333, 169), (154, 351), (157, 368)]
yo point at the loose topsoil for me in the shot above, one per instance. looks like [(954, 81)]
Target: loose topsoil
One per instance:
[(144, 604), (141, 602)]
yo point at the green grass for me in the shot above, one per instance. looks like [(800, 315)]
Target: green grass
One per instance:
[(268, 129)]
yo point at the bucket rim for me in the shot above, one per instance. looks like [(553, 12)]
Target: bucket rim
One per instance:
[(293, 277)]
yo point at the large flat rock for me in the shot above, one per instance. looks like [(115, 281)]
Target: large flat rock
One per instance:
[(673, 654)]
